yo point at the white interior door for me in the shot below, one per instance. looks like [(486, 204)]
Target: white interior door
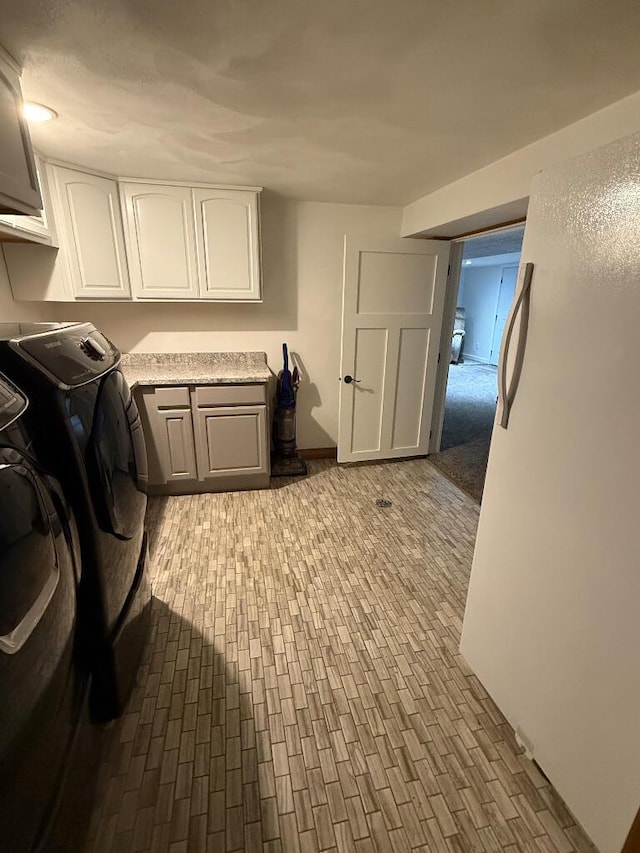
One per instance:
[(506, 292), (391, 320)]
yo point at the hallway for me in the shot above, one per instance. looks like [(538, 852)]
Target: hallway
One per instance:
[(468, 422)]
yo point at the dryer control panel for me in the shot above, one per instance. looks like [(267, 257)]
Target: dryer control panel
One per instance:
[(70, 356)]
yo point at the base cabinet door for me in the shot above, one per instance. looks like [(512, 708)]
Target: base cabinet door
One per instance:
[(231, 440), (169, 439), (175, 445)]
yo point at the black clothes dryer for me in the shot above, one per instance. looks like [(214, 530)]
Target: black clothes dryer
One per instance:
[(86, 427), (42, 686)]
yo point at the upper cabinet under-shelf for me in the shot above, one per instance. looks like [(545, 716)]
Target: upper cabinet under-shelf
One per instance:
[(140, 241)]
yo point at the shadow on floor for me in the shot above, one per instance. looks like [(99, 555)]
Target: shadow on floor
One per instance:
[(157, 506), (181, 764), (468, 423)]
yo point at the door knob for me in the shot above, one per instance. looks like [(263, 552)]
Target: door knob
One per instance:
[(348, 379)]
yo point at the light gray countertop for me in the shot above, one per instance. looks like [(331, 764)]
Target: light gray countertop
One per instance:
[(195, 368)]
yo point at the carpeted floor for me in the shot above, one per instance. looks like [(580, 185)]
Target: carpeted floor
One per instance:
[(468, 423)]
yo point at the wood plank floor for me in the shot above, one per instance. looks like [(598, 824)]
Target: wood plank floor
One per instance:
[(303, 689)]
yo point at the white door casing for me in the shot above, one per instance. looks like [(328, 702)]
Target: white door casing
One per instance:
[(506, 293), (393, 297)]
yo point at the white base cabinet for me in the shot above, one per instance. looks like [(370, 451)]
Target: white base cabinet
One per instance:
[(205, 438)]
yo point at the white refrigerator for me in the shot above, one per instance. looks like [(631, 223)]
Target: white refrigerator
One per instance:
[(552, 624)]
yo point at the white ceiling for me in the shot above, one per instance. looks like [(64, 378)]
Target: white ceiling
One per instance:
[(365, 101)]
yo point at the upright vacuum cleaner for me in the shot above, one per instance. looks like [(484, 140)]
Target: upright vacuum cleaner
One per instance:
[(286, 462)]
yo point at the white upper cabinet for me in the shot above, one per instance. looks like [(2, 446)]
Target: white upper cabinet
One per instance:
[(160, 241), (38, 228), (227, 243), (19, 192), (134, 240), (90, 232)]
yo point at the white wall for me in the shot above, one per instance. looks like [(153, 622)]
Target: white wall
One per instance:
[(499, 192), (480, 286), (302, 248)]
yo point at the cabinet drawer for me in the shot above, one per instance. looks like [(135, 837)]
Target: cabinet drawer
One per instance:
[(230, 395), (170, 397)]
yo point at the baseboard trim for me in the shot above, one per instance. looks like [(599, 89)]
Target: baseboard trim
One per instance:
[(319, 453), (475, 359), (230, 483)]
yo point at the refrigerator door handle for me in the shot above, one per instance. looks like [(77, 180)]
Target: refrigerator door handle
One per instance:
[(520, 304)]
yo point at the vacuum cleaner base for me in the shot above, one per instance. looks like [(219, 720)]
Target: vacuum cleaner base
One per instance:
[(289, 466)]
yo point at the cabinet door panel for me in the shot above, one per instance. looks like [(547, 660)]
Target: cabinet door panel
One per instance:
[(231, 440), (179, 461), (169, 438), (93, 240), (19, 191), (160, 241), (228, 244)]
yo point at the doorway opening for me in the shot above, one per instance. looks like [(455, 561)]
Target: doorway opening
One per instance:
[(486, 288)]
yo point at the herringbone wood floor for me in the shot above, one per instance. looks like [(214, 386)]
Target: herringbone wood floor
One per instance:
[(303, 688)]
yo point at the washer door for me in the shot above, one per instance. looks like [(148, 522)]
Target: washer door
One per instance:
[(117, 455), (38, 678)]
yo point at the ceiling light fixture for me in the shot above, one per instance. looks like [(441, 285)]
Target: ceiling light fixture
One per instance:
[(38, 112), (467, 263)]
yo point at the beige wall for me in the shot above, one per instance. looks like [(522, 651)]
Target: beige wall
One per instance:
[(302, 247), (11, 311), (499, 192)]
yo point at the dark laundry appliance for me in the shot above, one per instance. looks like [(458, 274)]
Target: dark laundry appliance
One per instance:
[(42, 686), (85, 426)]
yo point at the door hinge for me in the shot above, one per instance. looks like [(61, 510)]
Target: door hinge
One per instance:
[(449, 270), (439, 354), (430, 433)]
